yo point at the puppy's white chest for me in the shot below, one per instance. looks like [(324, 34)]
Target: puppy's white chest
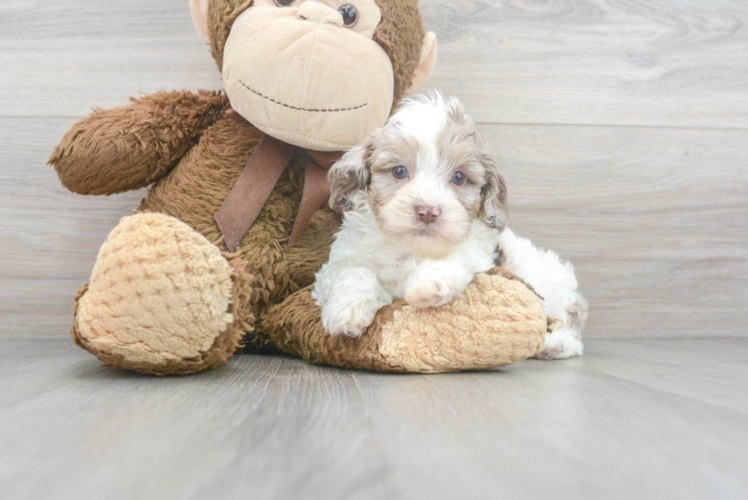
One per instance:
[(393, 271)]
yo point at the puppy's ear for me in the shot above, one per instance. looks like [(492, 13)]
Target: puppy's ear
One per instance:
[(349, 178), (493, 194)]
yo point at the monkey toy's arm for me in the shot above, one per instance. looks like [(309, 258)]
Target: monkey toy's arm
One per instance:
[(133, 146)]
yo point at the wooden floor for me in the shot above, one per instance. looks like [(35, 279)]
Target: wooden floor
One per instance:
[(621, 127), (632, 419)]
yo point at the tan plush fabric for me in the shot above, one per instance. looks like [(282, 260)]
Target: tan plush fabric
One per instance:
[(496, 322), (331, 98), (165, 296), (197, 187), (159, 293), (317, 86), (400, 34), (221, 17)]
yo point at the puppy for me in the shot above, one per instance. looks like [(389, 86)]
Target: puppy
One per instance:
[(424, 211)]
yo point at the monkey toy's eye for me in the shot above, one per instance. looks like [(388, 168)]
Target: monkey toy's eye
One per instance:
[(284, 3), (400, 172), (458, 178), (349, 13)]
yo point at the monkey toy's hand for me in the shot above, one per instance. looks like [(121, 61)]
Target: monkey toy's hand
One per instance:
[(133, 146), (353, 300)]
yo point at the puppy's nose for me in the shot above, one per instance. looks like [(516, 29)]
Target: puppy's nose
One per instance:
[(428, 213)]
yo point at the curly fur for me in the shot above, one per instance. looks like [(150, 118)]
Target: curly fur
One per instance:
[(384, 251)]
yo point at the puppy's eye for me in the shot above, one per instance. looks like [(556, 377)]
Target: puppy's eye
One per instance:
[(349, 13), (458, 178), (400, 172), (284, 3)]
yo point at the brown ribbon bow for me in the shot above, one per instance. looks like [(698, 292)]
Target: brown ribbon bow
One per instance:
[(253, 187)]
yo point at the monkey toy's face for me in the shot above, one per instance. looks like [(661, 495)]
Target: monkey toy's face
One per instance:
[(310, 73), (306, 67)]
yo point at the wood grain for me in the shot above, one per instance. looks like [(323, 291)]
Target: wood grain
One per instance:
[(666, 63), (64, 57), (653, 219), (621, 127), (648, 199), (49, 237), (643, 419), (676, 63)]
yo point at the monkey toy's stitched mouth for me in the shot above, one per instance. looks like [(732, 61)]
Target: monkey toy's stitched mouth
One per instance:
[(320, 110)]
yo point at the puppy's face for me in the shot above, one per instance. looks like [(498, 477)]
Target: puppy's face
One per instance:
[(426, 177)]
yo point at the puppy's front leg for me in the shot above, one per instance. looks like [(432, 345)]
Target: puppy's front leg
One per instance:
[(436, 282), (353, 300)]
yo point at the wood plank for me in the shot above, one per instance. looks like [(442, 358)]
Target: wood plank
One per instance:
[(633, 419), (64, 57), (678, 63), (653, 219), (681, 63), (49, 237), (715, 372)]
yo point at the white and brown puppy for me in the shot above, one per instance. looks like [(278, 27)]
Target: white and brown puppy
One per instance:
[(425, 209)]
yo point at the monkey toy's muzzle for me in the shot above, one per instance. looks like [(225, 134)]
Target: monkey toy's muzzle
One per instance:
[(316, 85)]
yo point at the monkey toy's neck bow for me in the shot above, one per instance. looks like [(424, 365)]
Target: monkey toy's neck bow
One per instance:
[(253, 187)]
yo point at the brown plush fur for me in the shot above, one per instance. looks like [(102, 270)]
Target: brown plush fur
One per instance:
[(131, 147), (183, 144), (221, 16), (295, 326), (186, 136), (400, 34), (223, 348), (197, 187)]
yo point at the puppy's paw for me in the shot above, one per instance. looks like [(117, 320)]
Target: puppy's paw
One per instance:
[(561, 344), (429, 292), (340, 324), (350, 310)]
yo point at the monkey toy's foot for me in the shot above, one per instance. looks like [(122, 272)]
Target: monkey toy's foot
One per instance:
[(162, 299), (497, 321)]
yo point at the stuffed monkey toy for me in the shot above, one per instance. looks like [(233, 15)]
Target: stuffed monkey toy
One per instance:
[(223, 250)]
